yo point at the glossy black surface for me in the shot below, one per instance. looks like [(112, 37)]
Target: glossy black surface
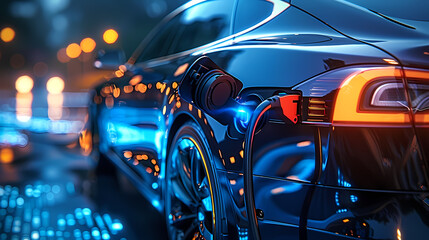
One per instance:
[(313, 180)]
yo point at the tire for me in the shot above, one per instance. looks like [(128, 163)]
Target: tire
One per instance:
[(191, 195)]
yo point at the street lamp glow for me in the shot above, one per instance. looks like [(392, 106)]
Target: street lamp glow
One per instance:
[(73, 50), (110, 36), (7, 34), (87, 45), (24, 84), (55, 85)]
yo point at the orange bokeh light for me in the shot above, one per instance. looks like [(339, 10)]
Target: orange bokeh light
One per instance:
[(110, 36), (7, 34), (6, 155), (128, 154), (73, 50), (87, 45), (62, 56), (24, 84), (55, 85)]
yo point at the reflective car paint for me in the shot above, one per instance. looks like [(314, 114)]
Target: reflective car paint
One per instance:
[(312, 181)]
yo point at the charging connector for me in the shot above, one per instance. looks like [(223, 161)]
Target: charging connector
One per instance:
[(290, 105)]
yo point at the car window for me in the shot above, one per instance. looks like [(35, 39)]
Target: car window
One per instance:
[(160, 44), (198, 25), (202, 24), (250, 13)]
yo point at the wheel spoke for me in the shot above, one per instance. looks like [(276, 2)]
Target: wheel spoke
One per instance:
[(182, 220), (195, 171), (181, 194), (206, 234), (184, 172), (203, 189), (192, 230), (189, 197)]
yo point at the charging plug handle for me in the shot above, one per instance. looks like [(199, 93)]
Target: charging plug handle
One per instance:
[(290, 106)]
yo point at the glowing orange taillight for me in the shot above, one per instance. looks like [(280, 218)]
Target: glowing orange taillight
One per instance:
[(355, 90), (357, 96)]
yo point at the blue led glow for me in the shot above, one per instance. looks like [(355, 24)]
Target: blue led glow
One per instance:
[(341, 210), (86, 235), (77, 233), (12, 203), (29, 191), (117, 226), (3, 203), (34, 235), (95, 233), (86, 211), (50, 233), (99, 220), (20, 201), (71, 222), (353, 198), (36, 221), (155, 185), (36, 193), (337, 201), (155, 203), (243, 116), (105, 235), (242, 233), (61, 222), (78, 213)]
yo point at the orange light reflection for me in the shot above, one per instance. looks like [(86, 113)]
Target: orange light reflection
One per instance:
[(23, 106), (55, 106), (6, 155)]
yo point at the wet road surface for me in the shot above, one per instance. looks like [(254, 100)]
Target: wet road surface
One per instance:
[(51, 191)]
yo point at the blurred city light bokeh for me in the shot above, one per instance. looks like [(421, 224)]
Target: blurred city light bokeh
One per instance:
[(47, 181), (47, 52)]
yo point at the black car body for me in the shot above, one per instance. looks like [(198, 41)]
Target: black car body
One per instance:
[(354, 166)]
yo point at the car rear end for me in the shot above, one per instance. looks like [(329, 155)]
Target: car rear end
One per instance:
[(374, 170)]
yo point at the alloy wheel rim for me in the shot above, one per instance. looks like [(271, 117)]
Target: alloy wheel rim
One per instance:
[(190, 210)]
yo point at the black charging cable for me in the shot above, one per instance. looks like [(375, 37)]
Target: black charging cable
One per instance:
[(249, 198), (270, 103)]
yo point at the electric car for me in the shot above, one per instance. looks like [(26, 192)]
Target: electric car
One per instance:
[(275, 119)]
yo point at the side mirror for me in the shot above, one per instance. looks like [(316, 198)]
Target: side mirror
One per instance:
[(211, 89), (109, 59)]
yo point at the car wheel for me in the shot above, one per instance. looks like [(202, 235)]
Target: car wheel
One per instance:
[(190, 193)]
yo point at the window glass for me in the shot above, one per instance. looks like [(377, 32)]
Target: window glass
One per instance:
[(204, 23), (196, 26), (250, 13), (160, 44)]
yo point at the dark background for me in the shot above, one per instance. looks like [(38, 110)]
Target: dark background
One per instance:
[(43, 27)]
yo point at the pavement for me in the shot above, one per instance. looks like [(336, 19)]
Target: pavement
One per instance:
[(49, 190)]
